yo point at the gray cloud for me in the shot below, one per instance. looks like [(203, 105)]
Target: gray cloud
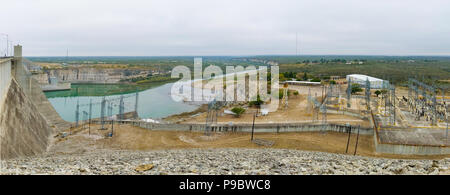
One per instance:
[(211, 27)]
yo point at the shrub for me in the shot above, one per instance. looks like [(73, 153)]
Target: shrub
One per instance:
[(280, 94), (258, 102), (238, 111)]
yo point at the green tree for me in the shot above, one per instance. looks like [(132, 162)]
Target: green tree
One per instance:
[(356, 88), (305, 77), (282, 78), (377, 92)]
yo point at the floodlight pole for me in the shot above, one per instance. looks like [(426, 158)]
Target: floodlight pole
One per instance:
[(7, 43)]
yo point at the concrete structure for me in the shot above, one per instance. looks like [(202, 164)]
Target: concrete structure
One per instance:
[(335, 77), (55, 85), (305, 83), (23, 130), (375, 83), (407, 146), (27, 119), (408, 141), (5, 78), (259, 128)]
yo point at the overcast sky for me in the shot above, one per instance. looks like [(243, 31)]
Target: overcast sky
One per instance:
[(226, 27)]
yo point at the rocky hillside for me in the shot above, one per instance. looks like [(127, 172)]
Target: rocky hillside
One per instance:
[(90, 75)]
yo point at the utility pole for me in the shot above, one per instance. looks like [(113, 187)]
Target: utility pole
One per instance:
[(446, 118), (446, 132), (77, 113), (253, 126), (102, 113), (90, 115), (112, 128), (136, 103), (349, 128), (357, 139)]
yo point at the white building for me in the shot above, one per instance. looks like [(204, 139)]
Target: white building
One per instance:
[(302, 83), (375, 83)]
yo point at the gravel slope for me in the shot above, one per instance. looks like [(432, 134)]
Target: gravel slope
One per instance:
[(219, 161)]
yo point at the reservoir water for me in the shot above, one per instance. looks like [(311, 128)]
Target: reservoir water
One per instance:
[(154, 102)]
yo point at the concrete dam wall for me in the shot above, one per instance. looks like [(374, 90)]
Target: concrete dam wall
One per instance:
[(5, 78), (23, 130), (27, 119)]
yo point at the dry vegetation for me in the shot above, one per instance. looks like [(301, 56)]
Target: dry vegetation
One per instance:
[(128, 137)]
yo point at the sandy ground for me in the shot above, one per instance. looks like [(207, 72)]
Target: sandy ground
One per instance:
[(297, 112), (134, 138)]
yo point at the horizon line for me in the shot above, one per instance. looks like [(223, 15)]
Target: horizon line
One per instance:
[(262, 55)]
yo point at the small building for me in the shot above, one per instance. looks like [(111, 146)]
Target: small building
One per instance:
[(375, 83), (53, 81), (335, 78), (35, 68)]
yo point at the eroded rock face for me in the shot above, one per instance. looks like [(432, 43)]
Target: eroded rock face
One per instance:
[(23, 130), (92, 75)]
